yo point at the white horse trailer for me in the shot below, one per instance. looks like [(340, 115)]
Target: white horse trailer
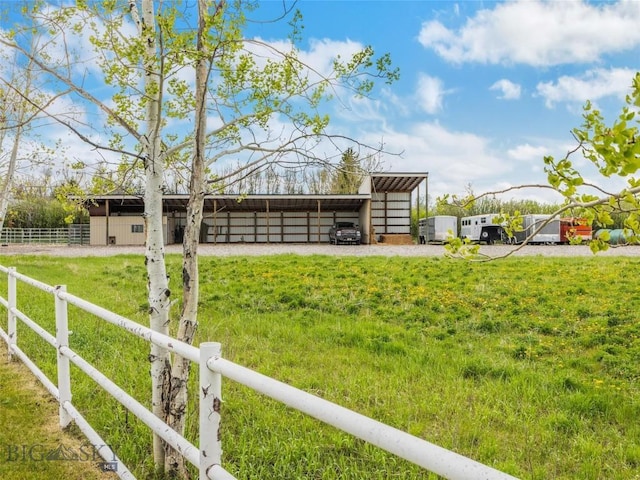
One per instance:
[(550, 233), (481, 228), (439, 228)]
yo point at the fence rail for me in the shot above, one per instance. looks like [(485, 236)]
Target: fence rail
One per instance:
[(77, 234), (212, 368)]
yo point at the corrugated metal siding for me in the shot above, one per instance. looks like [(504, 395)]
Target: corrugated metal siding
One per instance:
[(273, 227), (251, 227), (391, 212)]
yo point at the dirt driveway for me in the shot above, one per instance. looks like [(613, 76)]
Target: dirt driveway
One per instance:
[(224, 250)]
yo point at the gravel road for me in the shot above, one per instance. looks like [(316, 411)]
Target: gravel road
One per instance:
[(224, 250)]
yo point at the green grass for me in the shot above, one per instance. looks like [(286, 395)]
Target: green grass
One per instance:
[(30, 430), (530, 365)]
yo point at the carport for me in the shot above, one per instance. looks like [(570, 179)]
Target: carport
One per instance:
[(391, 201), (383, 203)]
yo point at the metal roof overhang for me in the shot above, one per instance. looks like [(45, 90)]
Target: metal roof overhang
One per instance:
[(285, 203), (380, 182), (396, 182), (248, 203)]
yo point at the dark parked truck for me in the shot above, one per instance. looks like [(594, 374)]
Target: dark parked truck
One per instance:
[(345, 232)]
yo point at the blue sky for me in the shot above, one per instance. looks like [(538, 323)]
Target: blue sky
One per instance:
[(487, 88)]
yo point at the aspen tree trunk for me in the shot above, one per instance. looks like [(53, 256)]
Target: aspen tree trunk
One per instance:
[(11, 169), (158, 284), (177, 398), (13, 158)]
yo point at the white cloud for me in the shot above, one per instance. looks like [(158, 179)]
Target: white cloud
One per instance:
[(323, 52), (592, 85), (538, 33), (526, 153), (430, 93), (457, 159), (508, 89), (319, 57), (454, 158), (536, 193), (394, 102)]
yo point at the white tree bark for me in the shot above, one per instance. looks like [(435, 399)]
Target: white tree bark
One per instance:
[(5, 194), (158, 283), (18, 106), (177, 398)]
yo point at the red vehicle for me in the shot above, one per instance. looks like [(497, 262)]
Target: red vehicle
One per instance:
[(574, 228)]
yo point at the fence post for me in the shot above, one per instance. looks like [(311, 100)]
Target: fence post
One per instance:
[(210, 402), (12, 330), (64, 372)]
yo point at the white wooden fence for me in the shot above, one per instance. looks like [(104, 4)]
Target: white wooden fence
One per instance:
[(212, 367)]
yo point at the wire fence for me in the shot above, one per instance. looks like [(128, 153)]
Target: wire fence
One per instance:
[(76, 234)]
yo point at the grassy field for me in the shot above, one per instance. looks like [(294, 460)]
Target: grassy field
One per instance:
[(30, 432), (530, 365)]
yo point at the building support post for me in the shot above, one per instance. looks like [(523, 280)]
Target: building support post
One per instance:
[(215, 222), (106, 220), (319, 213), (268, 222)]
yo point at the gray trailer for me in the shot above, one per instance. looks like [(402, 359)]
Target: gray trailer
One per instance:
[(439, 228), (549, 233)]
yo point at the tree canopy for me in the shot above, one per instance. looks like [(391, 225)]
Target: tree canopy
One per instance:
[(164, 93)]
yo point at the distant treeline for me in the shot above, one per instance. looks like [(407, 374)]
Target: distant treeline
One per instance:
[(41, 212), (486, 205)]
